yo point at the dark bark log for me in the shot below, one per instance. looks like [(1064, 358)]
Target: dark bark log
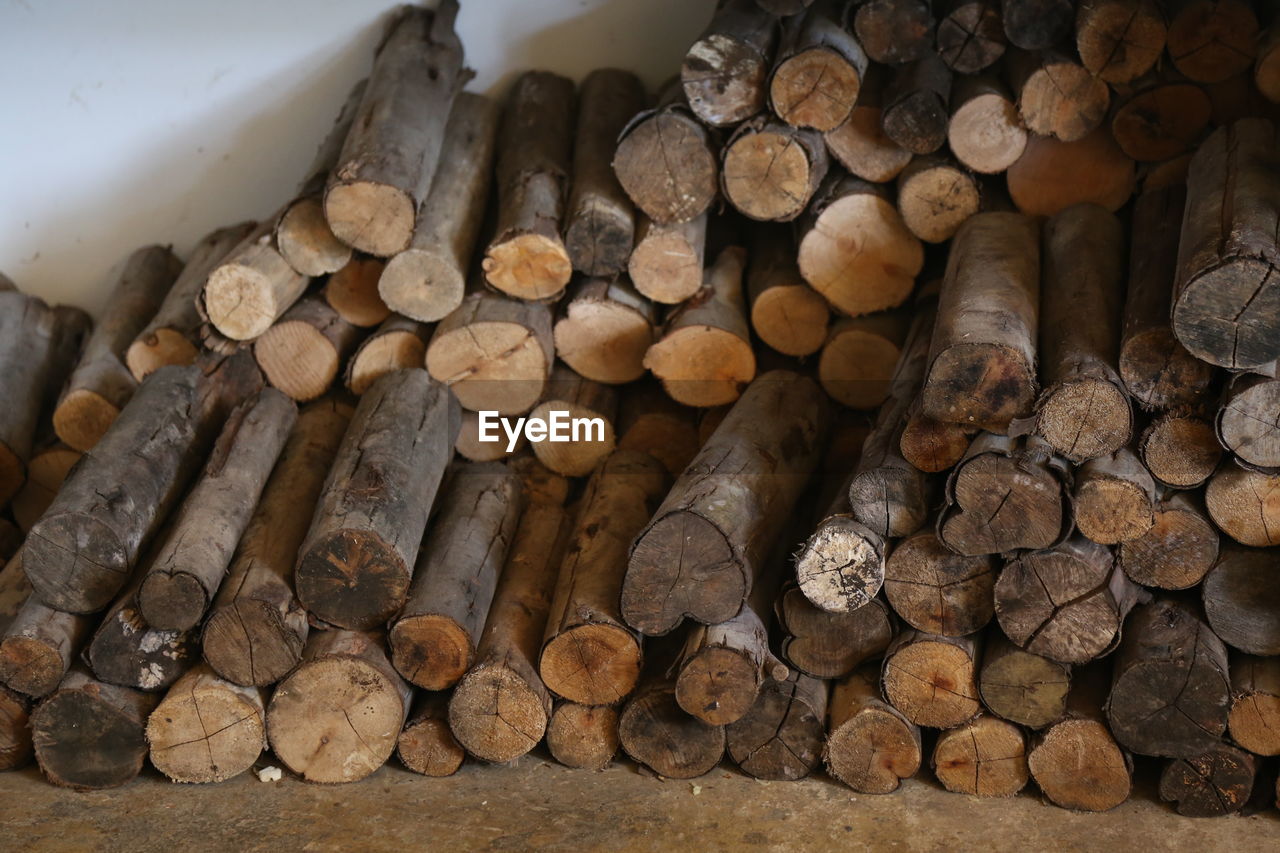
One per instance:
[(1213, 783), (15, 729), (725, 73), (1022, 687), (831, 645), (914, 112), (207, 729), (256, 630), (936, 590), (600, 222), (39, 646), (985, 757), (894, 31), (125, 650), (932, 679), (871, 745), (1037, 24), (1242, 600), (698, 555), (433, 639), (355, 565), (781, 737), (391, 153)]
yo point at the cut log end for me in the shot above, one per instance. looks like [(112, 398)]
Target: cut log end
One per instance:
[(932, 683), (83, 417), (528, 266), (161, 347), (1085, 419), (495, 715), (583, 736), (372, 217), (1181, 452), (510, 382), (247, 642), (1215, 783), (306, 242), (297, 358), (655, 732), (856, 366), (985, 758), (1078, 766), (431, 651), (986, 133), (874, 752), (205, 735), (353, 292), (931, 445), (1175, 553), (1230, 315), (352, 578), (427, 746), (176, 601), (936, 199), (97, 557), (85, 743), (686, 357), (422, 284), (676, 547), (979, 385), (816, 88), (791, 319), (30, 665), (841, 566), (769, 175), (591, 664), (718, 685), (383, 354), (604, 341), (240, 301), (682, 182), (1159, 373)]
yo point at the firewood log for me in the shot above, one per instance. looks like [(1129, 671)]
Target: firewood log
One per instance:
[(250, 287), (390, 156), (704, 357), (1179, 548), (101, 384), (859, 355), (46, 469), (781, 737), (303, 236), (1005, 495), (352, 292), (985, 131), (501, 708), (1057, 96), (15, 729), (970, 34), (1075, 761), (1159, 118), (583, 736), (600, 221), (357, 560), (1169, 690), (656, 733), (725, 72), (302, 353), (38, 644), (1211, 40), (819, 69), (1241, 603), (605, 328), (985, 757), (871, 745), (1084, 411), (1020, 686), (770, 169), (89, 735), (1254, 721), (1180, 448), (39, 347), (840, 565), (855, 249), (1226, 308), (125, 650), (666, 264), (936, 590), (982, 359), (1212, 783), (651, 422), (1120, 40), (1246, 423), (936, 196), (831, 645), (668, 161), (581, 399), (428, 279), (493, 352), (894, 31), (1067, 603), (338, 715), (397, 344), (931, 445), (1245, 504), (1037, 24), (722, 517), (1155, 367), (80, 554), (589, 654), (172, 336), (527, 257), (470, 447), (932, 679), (256, 628), (1114, 498), (207, 729), (426, 745), (1052, 175), (786, 313), (860, 144), (914, 111), (434, 638)]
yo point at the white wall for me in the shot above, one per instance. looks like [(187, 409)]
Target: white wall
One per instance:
[(129, 122)]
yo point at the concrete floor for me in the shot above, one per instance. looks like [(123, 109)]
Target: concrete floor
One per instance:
[(539, 804)]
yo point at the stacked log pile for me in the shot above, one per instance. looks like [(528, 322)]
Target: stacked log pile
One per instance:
[(933, 350)]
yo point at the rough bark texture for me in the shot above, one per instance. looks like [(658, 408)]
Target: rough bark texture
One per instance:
[(390, 155), (338, 715), (831, 645), (819, 69), (936, 590), (725, 72), (1242, 601), (583, 736), (188, 568), (1226, 304), (985, 757), (589, 654), (39, 645), (871, 745), (782, 736), (932, 679), (101, 384), (89, 735), (427, 280), (771, 169), (605, 329), (1022, 687), (433, 639), (256, 630), (982, 369), (527, 258), (397, 344), (1169, 690), (302, 353), (600, 222), (356, 562), (426, 745), (1213, 783), (698, 555), (1177, 550), (207, 729)]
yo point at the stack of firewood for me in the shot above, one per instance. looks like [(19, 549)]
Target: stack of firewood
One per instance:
[(929, 465)]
